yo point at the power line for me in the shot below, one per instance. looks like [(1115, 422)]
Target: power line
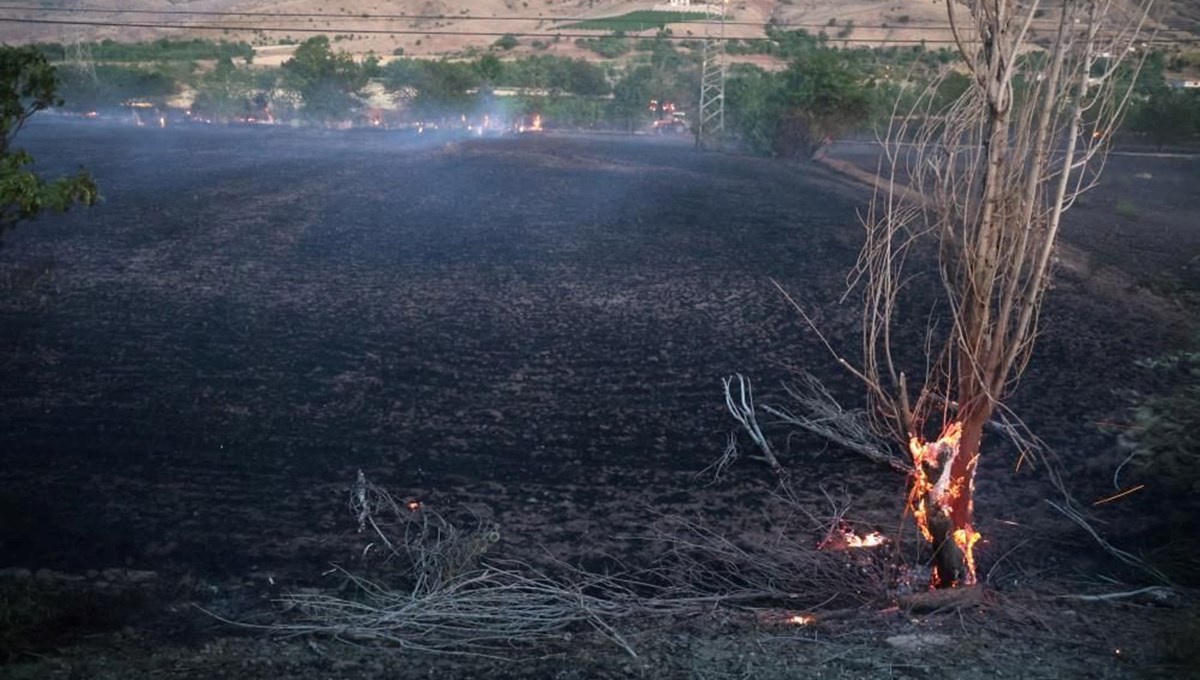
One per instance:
[(699, 19), (390, 31), (460, 33)]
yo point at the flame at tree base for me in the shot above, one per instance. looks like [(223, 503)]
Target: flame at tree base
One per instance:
[(941, 500)]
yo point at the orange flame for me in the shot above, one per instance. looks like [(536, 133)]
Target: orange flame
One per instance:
[(940, 492), (869, 541), (843, 537)]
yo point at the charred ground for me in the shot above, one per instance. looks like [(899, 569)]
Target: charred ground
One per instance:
[(532, 327)]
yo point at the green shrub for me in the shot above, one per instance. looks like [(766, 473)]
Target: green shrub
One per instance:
[(1127, 210), (1164, 437), (506, 42)]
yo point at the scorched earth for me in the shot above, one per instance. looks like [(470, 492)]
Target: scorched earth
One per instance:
[(530, 330)]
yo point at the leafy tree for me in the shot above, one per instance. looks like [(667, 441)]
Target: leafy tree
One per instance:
[(113, 85), (820, 96), (330, 84), (224, 92), (585, 78), (28, 85), (823, 95), (490, 69), (632, 94), (433, 88), (750, 108)]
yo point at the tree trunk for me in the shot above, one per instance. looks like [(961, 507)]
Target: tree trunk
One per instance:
[(944, 495), (959, 567)]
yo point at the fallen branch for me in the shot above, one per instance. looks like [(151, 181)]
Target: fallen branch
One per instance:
[(742, 410), (819, 413), (824, 416), (1128, 558), (1158, 595)]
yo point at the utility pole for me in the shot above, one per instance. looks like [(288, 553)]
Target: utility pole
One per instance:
[(710, 123), (78, 52)]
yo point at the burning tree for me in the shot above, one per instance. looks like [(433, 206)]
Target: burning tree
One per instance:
[(988, 179)]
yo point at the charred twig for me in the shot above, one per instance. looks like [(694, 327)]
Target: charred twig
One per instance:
[(1077, 517), (741, 408), (1153, 594), (444, 598), (821, 414)]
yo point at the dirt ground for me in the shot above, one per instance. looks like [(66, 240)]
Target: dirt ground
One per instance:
[(534, 329)]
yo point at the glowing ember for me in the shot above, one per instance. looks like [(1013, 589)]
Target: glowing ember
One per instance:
[(801, 619), (869, 541), (844, 538), (932, 498), (413, 506)]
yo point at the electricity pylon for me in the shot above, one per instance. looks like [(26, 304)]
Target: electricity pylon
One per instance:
[(710, 123), (78, 54)]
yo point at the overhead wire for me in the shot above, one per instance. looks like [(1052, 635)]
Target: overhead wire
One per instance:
[(399, 31), (421, 31), (698, 18)]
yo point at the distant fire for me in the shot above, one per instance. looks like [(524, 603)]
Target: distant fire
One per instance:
[(801, 619)]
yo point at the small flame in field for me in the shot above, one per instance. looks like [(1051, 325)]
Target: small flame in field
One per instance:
[(801, 619), (869, 541), (413, 505), (844, 538)]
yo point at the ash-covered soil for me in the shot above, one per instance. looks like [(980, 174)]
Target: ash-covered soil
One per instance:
[(531, 328)]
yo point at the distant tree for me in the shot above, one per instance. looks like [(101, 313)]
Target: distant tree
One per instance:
[(490, 69), (433, 88), (632, 95), (823, 96), (28, 85), (113, 85), (506, 42), (224, 92), (330, 84), (585, 78), (751, 110)]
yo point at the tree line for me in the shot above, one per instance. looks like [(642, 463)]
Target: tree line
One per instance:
[(823, 93)]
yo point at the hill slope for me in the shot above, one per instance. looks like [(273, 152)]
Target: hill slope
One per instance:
[(431, 27)]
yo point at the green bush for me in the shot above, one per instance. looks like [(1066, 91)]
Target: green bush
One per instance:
[(609, 47), (1127, 210), (1164, 437), (506, 42)]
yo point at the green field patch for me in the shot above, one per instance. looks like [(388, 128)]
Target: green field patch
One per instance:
[(641, 20)]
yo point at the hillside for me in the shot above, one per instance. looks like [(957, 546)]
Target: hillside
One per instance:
[(446, 27)]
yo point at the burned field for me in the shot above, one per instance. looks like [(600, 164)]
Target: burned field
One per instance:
[(530, 331)]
